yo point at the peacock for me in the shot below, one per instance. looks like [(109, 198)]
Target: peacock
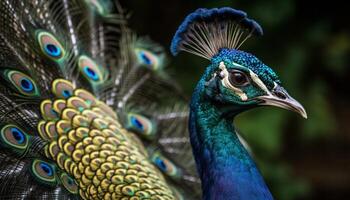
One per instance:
[(85, 111), (235, 81)]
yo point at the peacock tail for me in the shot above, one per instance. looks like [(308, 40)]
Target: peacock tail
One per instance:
[(85, 111)]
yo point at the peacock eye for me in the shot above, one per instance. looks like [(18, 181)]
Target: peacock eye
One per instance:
[(21, 82), (141, 125), (69, 183), (43, 171), (62, 88), (12, 136), (238, 78), (165, 165), (147, 59), (50, 45), (91, 70)]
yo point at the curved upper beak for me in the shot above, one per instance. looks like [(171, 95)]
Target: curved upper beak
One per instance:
[(279, 97)]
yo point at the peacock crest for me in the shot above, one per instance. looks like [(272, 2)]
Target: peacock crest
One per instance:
[(85, 111)]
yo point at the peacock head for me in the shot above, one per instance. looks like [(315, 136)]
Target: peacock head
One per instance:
[(235, 80), (240, 78)]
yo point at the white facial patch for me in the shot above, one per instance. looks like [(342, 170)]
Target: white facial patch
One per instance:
[(254, 77), (258, 82), (225, 82)]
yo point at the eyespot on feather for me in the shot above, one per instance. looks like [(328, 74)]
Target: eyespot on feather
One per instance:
[(141, 125), (47, 111), (69, 183), (21, 82), (53, 149), (147, 59), (59, 105), (42, 131), (69, 113), (63, 126), (90, 70), (44, 171), (165, 165), (50, 46), (77, 103), (50, 129), (13, 137), (62, 88), (90, 100)]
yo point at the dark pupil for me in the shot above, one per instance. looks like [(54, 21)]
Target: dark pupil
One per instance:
[(237, 78), (25, 83), (17, 135), (66, 93), (138, 124), (52, 48), (45, 169), (70, 182), (161, 164), (91, 72), (146, 59)]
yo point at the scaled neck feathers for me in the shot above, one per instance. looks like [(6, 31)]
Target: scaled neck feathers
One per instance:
[(227, 172)]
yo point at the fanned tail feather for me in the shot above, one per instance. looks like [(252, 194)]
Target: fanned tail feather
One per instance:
[(68, 66)]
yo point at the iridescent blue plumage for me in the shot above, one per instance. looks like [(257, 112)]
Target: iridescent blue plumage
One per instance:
[(74, 76), (234, 81), (87, 111), (227, 171), (215, 15), (265, 73)]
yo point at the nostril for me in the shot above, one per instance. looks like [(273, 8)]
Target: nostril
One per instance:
[(280, 95)]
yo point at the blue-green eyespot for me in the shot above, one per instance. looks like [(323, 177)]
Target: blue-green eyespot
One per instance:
[(13, 137), (141, 125), (69, 183), (165, 165), (21, 82), (147, 58), (44, 171), (50, 46), (94, 73)]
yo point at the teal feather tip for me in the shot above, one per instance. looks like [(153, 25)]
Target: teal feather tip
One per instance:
[(205, 31)]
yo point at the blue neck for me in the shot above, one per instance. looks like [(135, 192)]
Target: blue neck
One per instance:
[(227, 172)]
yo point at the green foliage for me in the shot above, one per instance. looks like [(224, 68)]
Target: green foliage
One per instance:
[(321, 121), (299, 55)]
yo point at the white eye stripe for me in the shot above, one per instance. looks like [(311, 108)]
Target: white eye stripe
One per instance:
[(225, 82), (258, 82), (254, 77), (236, 64)]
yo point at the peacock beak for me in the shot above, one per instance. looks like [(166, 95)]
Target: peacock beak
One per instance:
[(279, 97)]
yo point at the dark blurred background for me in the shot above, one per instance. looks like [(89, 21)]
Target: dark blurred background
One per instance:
[(308, 44)]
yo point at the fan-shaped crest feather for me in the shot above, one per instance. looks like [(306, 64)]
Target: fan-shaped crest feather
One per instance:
[(205, 31)]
